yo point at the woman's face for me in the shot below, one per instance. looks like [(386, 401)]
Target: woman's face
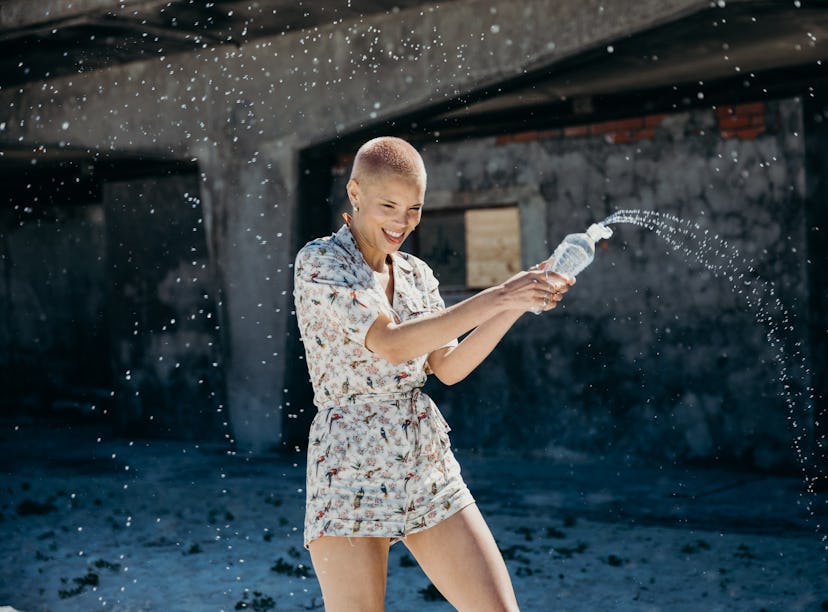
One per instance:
[(386, 211)]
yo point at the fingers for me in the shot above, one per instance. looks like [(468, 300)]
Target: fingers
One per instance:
[(552, 298), (558, 284), (547, 291), (537, 290), (531, 290)]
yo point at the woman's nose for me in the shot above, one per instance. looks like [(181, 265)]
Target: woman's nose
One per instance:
[(401, 217)]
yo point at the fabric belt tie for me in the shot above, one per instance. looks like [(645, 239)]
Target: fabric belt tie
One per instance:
[(437, 426)]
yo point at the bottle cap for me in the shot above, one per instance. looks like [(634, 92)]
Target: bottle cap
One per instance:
[(597, 231)]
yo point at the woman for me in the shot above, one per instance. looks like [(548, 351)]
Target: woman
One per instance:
[(380, 467)]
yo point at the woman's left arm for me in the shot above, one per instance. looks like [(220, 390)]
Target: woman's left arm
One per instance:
[(451, 364)]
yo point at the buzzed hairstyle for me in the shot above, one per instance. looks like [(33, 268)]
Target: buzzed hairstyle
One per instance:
[(388, 155)]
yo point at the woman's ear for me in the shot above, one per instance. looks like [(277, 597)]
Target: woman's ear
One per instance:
[(353, 193)]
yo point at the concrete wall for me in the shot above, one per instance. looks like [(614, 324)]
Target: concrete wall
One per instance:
[(53, 329), (244, 113), (651, 353), (165, 344)]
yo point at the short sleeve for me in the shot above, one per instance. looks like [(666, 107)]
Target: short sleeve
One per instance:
[(328, 294), (434, 299)]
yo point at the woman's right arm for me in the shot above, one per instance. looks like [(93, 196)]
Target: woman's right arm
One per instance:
[(399, 342)]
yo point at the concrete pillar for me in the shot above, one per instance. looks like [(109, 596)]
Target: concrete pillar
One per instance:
[(248, 195)]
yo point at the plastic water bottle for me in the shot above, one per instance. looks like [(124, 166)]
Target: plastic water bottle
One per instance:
[(575, 252)]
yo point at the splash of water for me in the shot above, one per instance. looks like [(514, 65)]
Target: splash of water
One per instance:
[(724, 260)]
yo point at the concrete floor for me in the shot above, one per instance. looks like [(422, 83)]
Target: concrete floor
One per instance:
[(91, 521)]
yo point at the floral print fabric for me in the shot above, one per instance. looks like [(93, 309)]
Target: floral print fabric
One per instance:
[(337, 301), (379, 458)]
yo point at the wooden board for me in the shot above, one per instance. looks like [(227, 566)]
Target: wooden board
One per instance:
[(492, 245)]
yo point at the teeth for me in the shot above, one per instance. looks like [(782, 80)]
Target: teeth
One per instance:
[(394, 234)]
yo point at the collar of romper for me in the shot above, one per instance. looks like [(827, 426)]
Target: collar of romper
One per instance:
[(345, 238)]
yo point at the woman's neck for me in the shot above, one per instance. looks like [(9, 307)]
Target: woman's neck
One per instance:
[(377, 260)]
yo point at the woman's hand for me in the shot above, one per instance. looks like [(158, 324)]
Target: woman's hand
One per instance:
[(534, 290)]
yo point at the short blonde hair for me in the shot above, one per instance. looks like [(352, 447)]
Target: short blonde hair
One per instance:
[(388, 155)]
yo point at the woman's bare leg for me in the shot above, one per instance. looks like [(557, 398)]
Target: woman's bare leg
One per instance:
[(461, 558), (352, 572)]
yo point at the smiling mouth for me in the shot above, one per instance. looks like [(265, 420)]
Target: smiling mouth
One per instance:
[(395, 237)]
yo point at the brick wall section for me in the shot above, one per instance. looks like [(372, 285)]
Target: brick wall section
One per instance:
[(744, 121), (617, 131)]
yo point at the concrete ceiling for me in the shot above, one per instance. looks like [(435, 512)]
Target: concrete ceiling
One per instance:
[(709, 45), (40, 39), (726, 52), (46, 38), (738, 48)]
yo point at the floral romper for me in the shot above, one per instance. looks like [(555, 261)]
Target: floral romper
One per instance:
[(379, 458)]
